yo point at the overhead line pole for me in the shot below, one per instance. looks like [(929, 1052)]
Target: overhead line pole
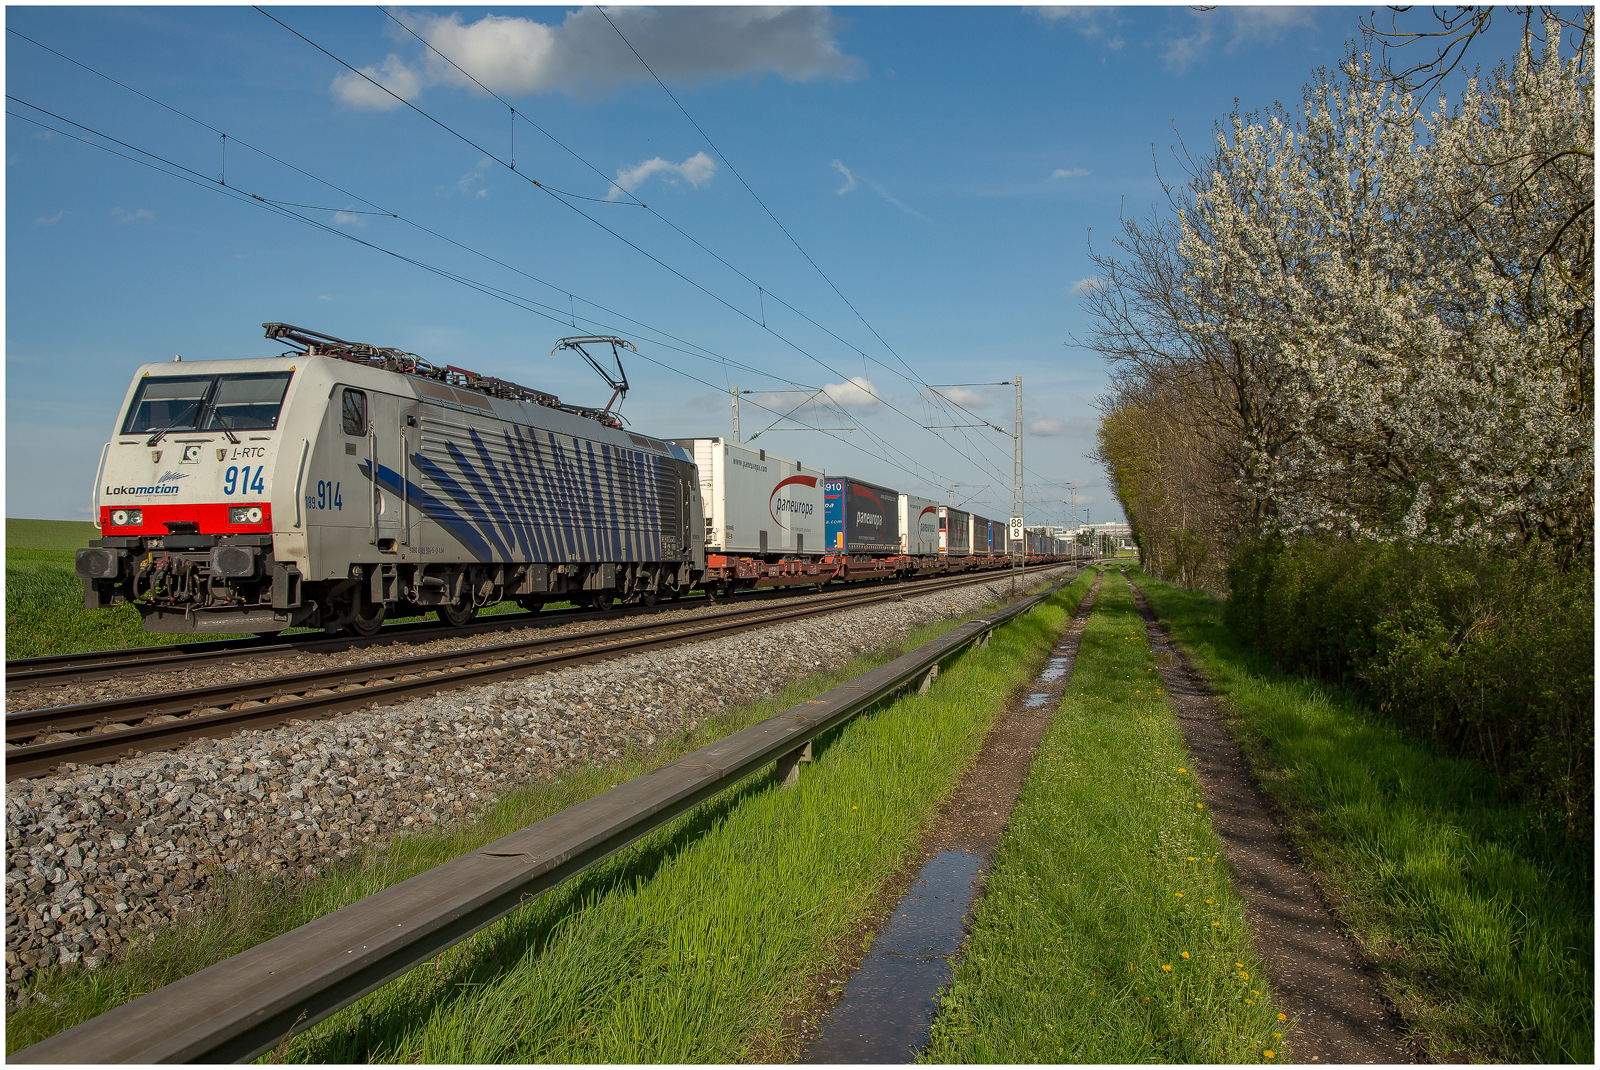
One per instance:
[(1018, 553)]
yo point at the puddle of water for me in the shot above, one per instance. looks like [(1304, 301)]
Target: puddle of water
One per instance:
[(1057, 668), (888, 1007), (1036, 699)]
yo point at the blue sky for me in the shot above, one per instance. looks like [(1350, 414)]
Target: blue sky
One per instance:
[(943, 167)]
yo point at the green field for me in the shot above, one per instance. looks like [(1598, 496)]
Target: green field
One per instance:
[(1480, 922), (44, 598), (689, 946), (1109, 931)]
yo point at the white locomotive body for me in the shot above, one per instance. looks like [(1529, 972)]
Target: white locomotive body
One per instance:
[(338, 485)]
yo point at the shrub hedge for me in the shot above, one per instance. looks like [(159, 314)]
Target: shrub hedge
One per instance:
[(1487, 653)]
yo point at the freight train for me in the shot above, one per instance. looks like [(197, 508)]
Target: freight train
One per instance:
[(341, 484)]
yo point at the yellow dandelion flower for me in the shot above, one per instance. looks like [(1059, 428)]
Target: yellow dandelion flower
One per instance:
[(1191, 858), (1239, 964), (1185, 954), (1250, 1001), (1215, 924), (1245, 974), (1268, 1052), (1199, 806), (1166, 969), (1283, 1017), (1277, 1036), (1253, 992), (1181, 769), (1178, 894), (1208, 902)]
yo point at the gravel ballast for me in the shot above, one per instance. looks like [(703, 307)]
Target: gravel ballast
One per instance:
[(97, 855)]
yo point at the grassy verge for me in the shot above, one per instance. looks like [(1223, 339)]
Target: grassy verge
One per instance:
[(1482, 925), (1109, 931), (249, 911), (690, 946)]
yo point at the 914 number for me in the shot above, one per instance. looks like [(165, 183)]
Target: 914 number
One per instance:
[(327, 496), (240, 480)]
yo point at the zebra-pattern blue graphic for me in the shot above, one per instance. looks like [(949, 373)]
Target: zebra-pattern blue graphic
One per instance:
[(547, 499)]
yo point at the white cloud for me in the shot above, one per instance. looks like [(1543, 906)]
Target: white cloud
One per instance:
[(125, 216), (849, 179), (324, 297), (584, 54), (875, 187), (1250, 26), (1061, 172), (856, 392), (1048, 428), (348, 219), (471, 184), (1095, 23), (1085, 287), (696, 170), (965, 396), (394, 75), (43, 221)]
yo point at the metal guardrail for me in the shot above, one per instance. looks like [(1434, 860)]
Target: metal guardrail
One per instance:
[(243, 1006)]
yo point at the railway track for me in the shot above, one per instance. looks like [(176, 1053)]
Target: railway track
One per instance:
[(244, 1006), (38, 741), (52, 670)]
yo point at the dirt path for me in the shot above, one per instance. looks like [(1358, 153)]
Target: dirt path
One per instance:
[(1337, 1012), (972, 819)]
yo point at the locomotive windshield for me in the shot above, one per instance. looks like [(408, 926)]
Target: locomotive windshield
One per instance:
[(207, 403)]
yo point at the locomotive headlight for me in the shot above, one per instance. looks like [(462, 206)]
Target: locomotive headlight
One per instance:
[(245, 514), (123, 518)]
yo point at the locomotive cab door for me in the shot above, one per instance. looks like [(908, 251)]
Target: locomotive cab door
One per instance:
[(390, 442)]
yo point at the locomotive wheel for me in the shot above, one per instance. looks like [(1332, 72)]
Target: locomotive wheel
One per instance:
[(601, 600), (649, 598), (366, 624), (457, 615)]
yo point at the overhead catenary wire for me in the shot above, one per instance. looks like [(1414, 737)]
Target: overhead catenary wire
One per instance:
[(695, 350), (187, 174), (761, 290), (626, 241), (913, 377)]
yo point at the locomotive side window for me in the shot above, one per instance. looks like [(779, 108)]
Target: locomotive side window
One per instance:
[(167, 402), (355, 412), (247, 402)]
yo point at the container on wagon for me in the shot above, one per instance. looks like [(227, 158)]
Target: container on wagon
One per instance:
[(862, 518), (919, 525), (757, 502), (955, 532)]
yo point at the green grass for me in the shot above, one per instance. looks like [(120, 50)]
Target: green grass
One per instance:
[(64, 535), (1481, 924), (250, 911), (44, 598), (1109, 872)]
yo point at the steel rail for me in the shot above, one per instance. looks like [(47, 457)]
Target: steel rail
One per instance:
[(54, 669), (248, 1004), (271, 700)]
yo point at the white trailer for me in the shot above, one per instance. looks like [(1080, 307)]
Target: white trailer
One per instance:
[(757, 502), (919, 525)]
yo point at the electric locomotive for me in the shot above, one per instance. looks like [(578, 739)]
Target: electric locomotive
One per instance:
[(342, 483)]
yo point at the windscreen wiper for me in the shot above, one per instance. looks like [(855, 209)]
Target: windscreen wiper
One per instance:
[(153, 439)]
